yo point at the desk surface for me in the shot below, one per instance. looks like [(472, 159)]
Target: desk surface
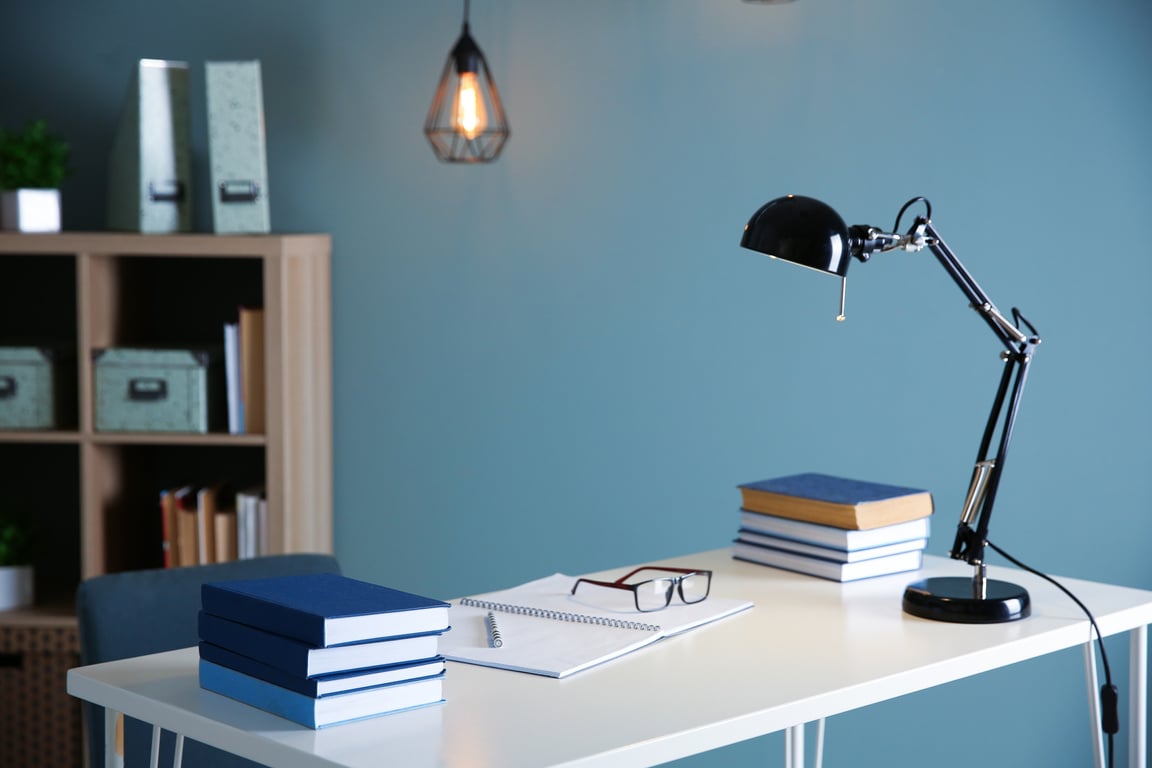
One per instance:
[(808, 649)]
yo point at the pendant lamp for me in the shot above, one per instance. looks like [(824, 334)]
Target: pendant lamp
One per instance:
[(466, 123)]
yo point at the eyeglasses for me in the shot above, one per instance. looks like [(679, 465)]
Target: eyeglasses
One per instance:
[(656, 594)]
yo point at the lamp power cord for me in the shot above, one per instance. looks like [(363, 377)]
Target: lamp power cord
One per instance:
[(1109, 694)]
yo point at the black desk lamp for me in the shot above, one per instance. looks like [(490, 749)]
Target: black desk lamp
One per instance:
[(807, 232)]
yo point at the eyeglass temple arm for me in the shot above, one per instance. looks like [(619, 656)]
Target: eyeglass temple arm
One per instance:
[(597, 583)]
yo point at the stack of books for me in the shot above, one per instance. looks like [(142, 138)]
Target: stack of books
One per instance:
[(321, 649), (833, 527)]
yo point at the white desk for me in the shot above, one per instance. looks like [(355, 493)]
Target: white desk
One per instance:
[(807, 650)]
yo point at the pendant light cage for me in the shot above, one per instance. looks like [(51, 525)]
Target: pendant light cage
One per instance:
[(466, 122)]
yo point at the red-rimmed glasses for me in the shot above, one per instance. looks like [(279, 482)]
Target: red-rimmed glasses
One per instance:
[(655, 594)]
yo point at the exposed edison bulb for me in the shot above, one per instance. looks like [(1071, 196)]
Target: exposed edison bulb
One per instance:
[(469, 117)]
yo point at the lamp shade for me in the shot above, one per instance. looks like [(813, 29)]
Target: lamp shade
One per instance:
[(801, 230)]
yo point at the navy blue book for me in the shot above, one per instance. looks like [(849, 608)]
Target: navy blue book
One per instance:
[(324, 609), (836, 501), (326, 710), (300, 659), (323, 685)]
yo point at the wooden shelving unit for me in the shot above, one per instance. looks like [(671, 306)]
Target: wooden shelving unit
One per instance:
[(94, 495)]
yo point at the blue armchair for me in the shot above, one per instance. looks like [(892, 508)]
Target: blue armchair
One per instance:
[(139, 612)]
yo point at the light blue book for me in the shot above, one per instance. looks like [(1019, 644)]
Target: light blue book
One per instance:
[(323, 685), (829, 553), (842, 539)]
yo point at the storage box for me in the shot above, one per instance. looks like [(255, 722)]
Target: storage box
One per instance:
[(153, 390), (27, 388), (236, 146), (150, 173), (41, 724)]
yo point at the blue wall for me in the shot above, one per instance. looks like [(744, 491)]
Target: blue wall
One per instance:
[(564, 361)]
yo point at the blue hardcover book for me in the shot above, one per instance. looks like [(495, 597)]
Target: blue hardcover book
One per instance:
[(324, 711), (323, 685), (836, 538), (836, 501), (749, 536), (302, 660), (828, 569), (324, 609)]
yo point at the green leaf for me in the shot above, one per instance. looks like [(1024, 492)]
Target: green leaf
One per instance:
[(33, 158)]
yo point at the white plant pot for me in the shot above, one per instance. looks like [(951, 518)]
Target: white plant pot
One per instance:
[(30, 210), (15, 586)]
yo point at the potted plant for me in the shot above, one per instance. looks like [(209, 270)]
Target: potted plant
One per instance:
[(33, 163), (15, 564)]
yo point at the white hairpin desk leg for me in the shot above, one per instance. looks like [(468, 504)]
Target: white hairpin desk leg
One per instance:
[(177, 752), (794, 746), (113, 720), (154, 760), (1138, 697), (114, 743), (819, 744)]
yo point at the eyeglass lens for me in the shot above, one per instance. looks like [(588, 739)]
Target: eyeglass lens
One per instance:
[(654, 594), (694, 587)]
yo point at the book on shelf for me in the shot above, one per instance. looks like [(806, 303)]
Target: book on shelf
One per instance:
[(232, 378), (829, 553), (325, 710), (825, 568), (226, 533), (324, 609), (207, 498), (251, 522), (187, 526), (831, 536), (302, 660), (836, 501), (545, 630), (251, 338), (169, 544), (323, 685)]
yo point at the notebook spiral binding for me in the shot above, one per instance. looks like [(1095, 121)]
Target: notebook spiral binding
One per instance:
[(546, 613)]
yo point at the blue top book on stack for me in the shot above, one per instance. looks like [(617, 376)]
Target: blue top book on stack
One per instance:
[(321, 649), (833, 527)]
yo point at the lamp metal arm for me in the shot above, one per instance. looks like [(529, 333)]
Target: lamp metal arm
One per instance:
[(972, 529)]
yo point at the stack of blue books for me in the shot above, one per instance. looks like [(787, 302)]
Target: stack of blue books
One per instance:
[(833, 527), (321, 649)]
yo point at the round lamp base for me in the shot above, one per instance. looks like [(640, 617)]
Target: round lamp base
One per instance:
[(955, 599)]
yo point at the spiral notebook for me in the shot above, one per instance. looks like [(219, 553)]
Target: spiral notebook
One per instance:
[(544, 630)]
